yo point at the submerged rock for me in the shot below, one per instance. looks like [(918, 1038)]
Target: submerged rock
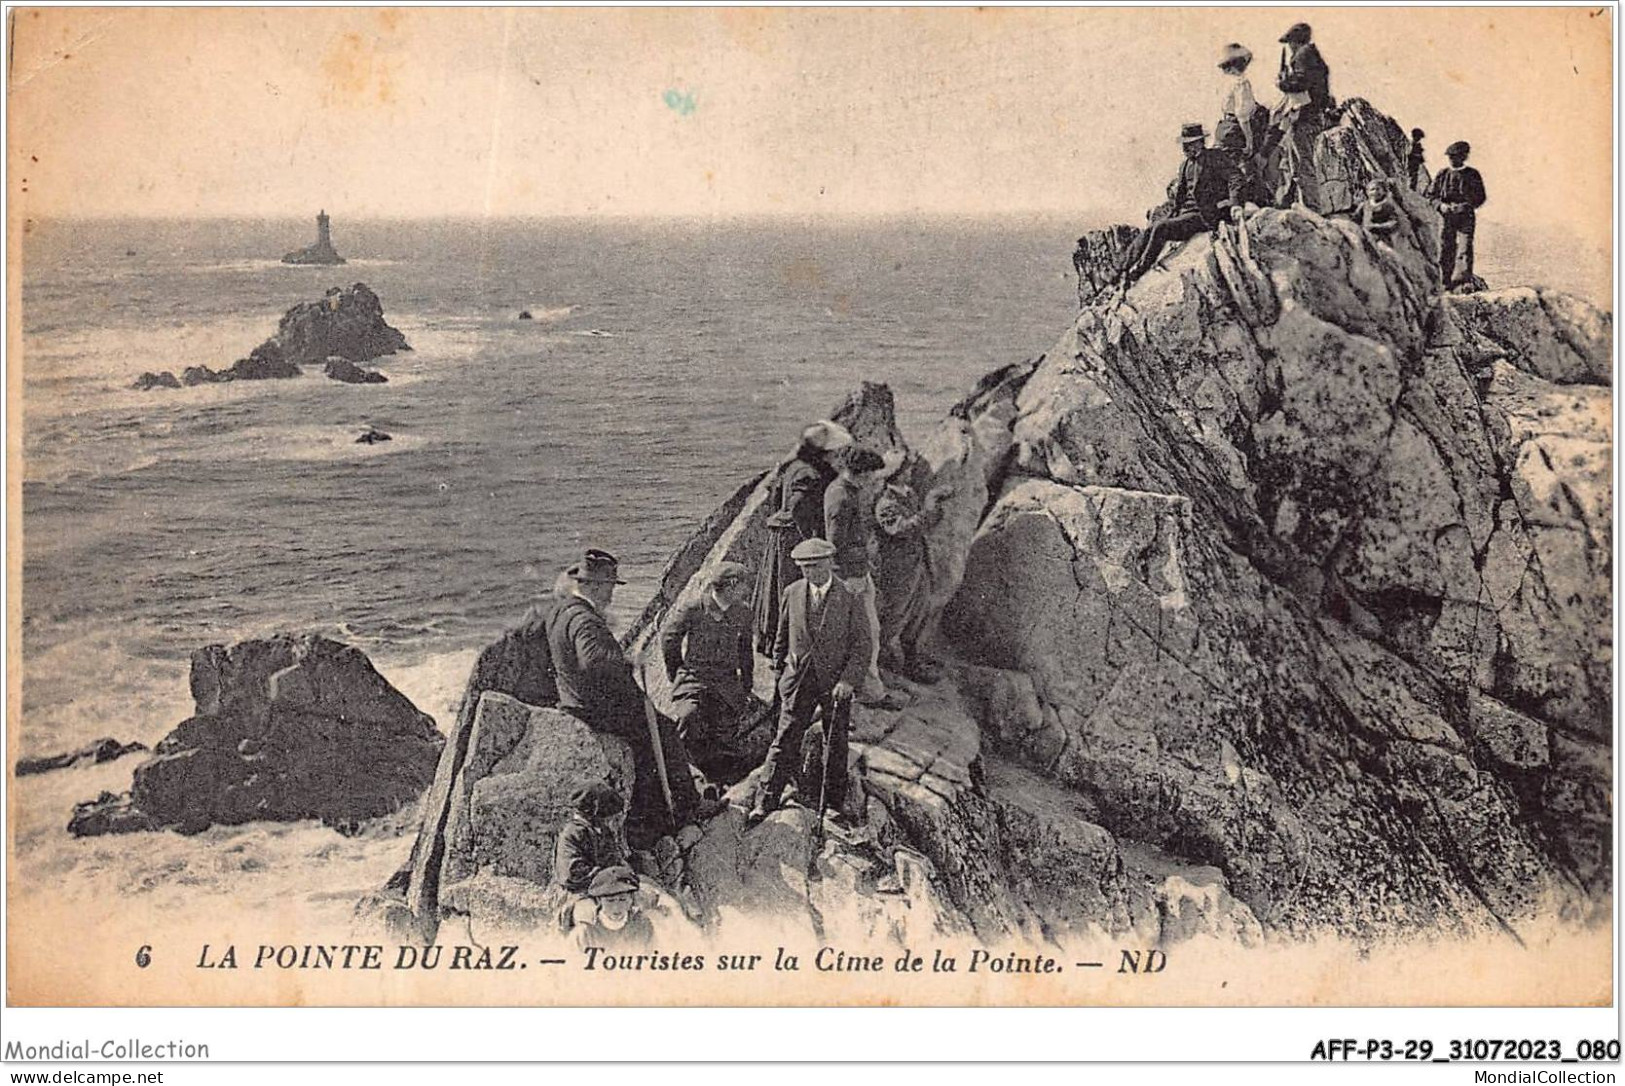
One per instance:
[(200, 375), (164, 379), (342, 369), (372, 436), (102, 750), (265, 362), (287, 728)]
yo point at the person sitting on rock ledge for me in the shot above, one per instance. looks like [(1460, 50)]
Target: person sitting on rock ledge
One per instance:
[(820, 653), (1380, 214), (706, 647), (1458, 193), (596, 686), (795, 512), (1207, 189), (592, 839)]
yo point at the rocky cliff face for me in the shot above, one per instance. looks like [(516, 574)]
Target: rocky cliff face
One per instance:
[(1277, 599)]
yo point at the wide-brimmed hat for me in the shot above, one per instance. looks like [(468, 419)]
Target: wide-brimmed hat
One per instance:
[(1460, 147), (826, 435), (1192, 133), (812, 550), (598, 567), (1235, 53), (619, 879), (1298, 34)]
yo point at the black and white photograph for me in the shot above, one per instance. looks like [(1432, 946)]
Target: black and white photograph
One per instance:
[(835, 507)]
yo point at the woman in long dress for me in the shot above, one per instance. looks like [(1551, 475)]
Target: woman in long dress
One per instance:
[(1242, 121)]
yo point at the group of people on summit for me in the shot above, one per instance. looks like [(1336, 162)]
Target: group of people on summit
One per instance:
[(841, 590), (1265, 157)]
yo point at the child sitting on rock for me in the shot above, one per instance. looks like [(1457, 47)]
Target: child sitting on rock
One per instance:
[(1380, 214)]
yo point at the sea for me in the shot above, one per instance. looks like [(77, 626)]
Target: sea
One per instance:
[(665, 362)]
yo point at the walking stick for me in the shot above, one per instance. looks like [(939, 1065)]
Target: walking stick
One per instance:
[(660, 751)]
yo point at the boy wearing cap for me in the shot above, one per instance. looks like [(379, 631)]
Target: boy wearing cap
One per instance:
[(1458, 193), (617, 922), (821, 653), (706, 647)]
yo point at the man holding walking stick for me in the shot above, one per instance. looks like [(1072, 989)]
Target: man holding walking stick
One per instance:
[(821, 654)]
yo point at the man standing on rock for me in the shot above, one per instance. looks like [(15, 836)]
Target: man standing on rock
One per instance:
[(596, 686), (903, 571), (848, 526), (1207, 189), (795, 512), (820, 653), (1458, 193), (706, 646), (1305, 109)]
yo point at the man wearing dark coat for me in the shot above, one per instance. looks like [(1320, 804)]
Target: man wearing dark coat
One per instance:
[(1207, 189), (821, 653), (795, 512), (1458, 193), (596, 686), (590, 840), (705, 644), (1304, 111)]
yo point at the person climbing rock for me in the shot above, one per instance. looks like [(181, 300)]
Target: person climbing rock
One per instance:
[(1205, 191), (820, 654), (705, 643), (591, 839), (1458, 193), (795, 512), (1416, 163)]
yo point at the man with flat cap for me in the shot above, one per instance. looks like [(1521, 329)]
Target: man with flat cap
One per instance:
[(821, 654), (1458, 193), (595, 685), (1207, 190), (705, 643)]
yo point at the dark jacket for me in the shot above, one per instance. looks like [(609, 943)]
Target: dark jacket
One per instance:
[(708, 650), (593, 677), (1208, 185), (582, 850), (795, 511), (1463, 186), (1302, 71), (832, 641), (846, 526)]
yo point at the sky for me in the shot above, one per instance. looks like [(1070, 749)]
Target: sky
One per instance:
[(273, 112)]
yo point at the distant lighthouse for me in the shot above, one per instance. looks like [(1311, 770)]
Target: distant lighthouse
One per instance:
[(320, 253)]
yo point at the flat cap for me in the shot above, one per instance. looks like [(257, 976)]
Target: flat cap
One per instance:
[(1460, 147), (1298, 34), (619, 879), (811, 550)]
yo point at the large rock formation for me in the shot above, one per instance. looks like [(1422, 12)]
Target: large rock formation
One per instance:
[(347, 323), (1277, 602), (288, 728)]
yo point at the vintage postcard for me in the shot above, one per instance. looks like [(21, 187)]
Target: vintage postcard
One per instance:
[(955, 507)]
